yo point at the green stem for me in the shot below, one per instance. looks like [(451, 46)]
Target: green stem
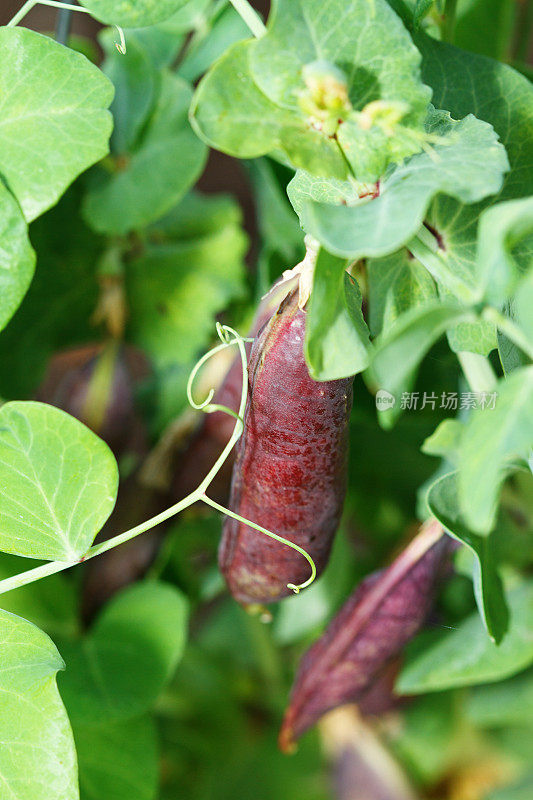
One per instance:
[(29, 4), (448, 22), (58, 566), (509, 329), (250, 17), (294, 587), (478, 371), (426, 249)]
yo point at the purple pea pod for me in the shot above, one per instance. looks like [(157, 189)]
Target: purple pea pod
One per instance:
[(370, 630)]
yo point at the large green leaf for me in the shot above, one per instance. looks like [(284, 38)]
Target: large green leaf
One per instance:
[(58, 482), (17, 259), (466, 656), (443, 503), (37, 757), (53, 118), (134, 13), (466, 161), (359, 52), (492, 438), (118, 669), (167, 161), (117, 759), (336, 336)]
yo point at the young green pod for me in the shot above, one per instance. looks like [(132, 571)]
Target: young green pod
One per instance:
[(290, 471)]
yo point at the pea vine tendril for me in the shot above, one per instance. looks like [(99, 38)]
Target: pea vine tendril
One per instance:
[(229, 337)]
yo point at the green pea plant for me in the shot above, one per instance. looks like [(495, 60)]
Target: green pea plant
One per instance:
[(387, 148)]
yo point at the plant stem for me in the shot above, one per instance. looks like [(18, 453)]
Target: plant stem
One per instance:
[(29, 4), (448, 22), (64, 21), (425, 248), (478, 371), (97, 549), (250, 17), (509, 329), (21, 13)]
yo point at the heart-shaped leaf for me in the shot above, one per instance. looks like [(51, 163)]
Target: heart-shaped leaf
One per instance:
[(53, 118), (37, 757), (58, 482)]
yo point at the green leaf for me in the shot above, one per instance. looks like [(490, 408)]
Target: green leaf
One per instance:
[(203, 274), (502, 228), (118, 669), (37, 758), (444, 441), (500, 704), (53, 118), (466, 162), (337, 340), (278, 224), (227, 28), (465, 83), (466, 656), (134, 13), (443, 503), (58, 482), (17, 259), (115, 757), (166, 163), (523, 303), (398, 351), (490, 441), (421, 9), (62, 296), (370, 57), (135, 79), (396, 283)]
